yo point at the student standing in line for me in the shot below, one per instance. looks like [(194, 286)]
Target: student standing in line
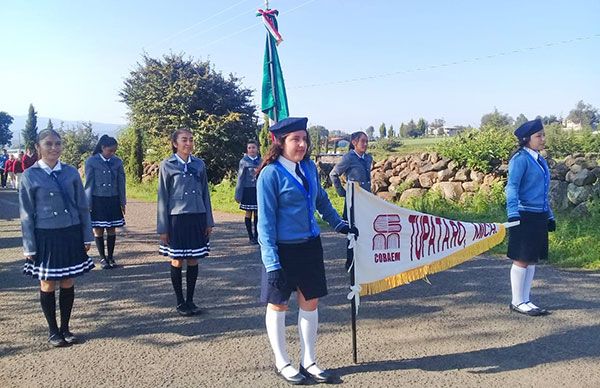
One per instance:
[(57, 233), (29, 158), (245, 190), (17, 169), (105, 192), (289, 192), (3, 159), (527, 201), (9, 167), (185, 218)]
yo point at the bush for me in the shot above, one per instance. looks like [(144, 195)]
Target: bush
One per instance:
[(481, 150), (388, 144)]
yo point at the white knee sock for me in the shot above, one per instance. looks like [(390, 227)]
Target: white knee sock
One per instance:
[(275, 322), (308, 322), (517, 283), (528, 282)]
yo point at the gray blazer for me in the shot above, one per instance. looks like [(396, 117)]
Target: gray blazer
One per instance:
[(182, 193), (43, 206), (246, 175), (104, 179), (355, 169)]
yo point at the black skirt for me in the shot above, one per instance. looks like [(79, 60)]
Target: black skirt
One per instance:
[(528, 242), (106, 212), (60, 254), (303, 269), (249, 199), (187, 237)]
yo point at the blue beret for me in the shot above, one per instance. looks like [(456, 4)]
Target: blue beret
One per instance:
[(529, 128), (288, 125)]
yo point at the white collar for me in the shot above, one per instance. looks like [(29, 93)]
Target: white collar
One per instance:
[(47, 168), (103, 158), (291, 167), (531, 152), (252, 158), (363, 155), (181, 160)]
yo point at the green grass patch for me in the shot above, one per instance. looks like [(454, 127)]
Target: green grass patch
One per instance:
[(409, 146), (145, 191)]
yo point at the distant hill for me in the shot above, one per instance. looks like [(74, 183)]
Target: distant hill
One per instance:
[(99, 128)]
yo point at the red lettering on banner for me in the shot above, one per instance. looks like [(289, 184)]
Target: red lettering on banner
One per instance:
[(388, 229), (434, 234), (386, 257)]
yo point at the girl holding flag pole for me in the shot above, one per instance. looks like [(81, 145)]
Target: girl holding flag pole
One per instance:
[(527, 201), (289, 192)]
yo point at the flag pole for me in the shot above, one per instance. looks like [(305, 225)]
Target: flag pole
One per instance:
[(350, 257), (272, 72)]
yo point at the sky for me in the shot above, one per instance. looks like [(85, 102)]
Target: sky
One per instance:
[(347, 64)]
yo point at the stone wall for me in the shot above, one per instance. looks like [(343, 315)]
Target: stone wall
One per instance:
[(573, 181)]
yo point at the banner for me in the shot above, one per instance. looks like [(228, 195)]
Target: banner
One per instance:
[(396, 246)]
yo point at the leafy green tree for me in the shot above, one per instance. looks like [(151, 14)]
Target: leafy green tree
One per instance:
[(520, 120), (263, 136), (318, 136), (5, 133), (30, 130), (50, 125), (403, 132), (496, 119), (421, 128), (382, 131), (78, 143), (411, 129), (552, 119), (173, 92), (370, 131), (129, 148), (584, 114), (390, 131)]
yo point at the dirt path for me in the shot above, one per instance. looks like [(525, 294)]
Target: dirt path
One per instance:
[(455, 332)]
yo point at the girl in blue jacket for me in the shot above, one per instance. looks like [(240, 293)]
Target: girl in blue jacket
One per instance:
[(527, 201), (57, 232), (289, 192)]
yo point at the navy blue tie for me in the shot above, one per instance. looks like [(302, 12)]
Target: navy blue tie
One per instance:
[(65, 196), (302, 177)]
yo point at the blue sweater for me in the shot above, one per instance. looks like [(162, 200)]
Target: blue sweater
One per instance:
[(528, 184), (287, 211)]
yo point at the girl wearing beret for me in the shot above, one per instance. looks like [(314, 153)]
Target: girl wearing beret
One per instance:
[(527, 201), (105, 192), (289, 192), (184, 217), (245, 190), (57, 232)]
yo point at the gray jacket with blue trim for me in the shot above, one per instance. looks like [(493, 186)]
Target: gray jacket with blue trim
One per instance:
[(104, 179), (182, 192), (246, 175), (43, 206), (355, 168)]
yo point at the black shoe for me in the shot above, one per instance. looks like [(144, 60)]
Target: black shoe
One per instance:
[(105, 264), (297, 379), (112, 263), (57, 341), (69, 337), (531, 313), (541, 310), (183, 310), (195, 310), (323, 377)]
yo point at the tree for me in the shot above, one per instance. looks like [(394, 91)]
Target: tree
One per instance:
[(5, 133), (30, 130), (390, 131), (382, 131), (496, 120), (403, 131), (584, 114), (370, 131), (411, 129), (173, 92), (421, 128), (521, 119), (263, 136), (437, 126), (552, 119), (50, 125), (78, 143), (318, 136)]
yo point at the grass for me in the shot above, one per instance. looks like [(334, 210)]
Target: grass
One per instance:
[(573, 245), (409, 146)]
